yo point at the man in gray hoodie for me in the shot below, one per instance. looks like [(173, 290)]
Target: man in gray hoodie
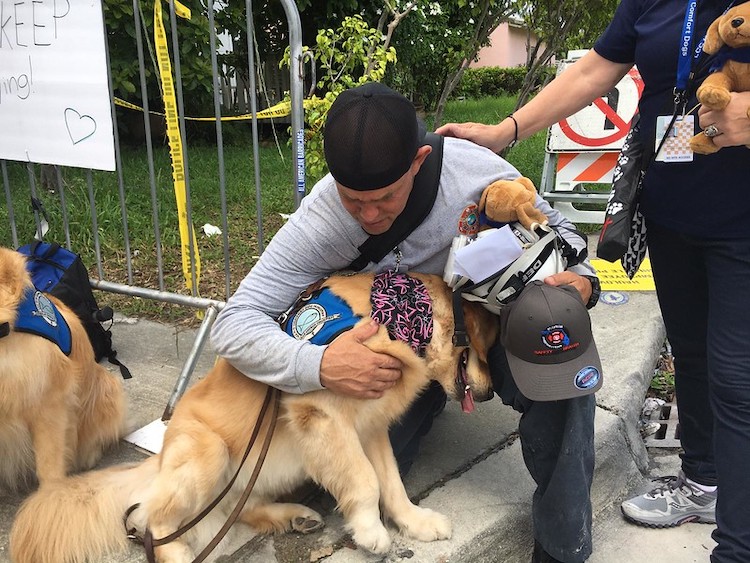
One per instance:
[(374, 149)]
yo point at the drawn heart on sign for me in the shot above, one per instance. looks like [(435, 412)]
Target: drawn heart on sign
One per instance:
[(80, 127)]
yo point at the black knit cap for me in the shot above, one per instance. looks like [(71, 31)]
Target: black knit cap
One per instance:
[(371, 137)]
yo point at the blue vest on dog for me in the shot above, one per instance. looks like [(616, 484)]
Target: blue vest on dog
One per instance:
[(38, 315), (319, 318)]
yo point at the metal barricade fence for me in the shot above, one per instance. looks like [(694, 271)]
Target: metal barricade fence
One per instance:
[(26, 203)]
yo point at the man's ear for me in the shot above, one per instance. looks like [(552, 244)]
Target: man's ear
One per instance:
[(420, 157)]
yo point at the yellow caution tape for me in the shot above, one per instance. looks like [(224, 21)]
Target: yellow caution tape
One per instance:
[(175, 141), (279, 110)]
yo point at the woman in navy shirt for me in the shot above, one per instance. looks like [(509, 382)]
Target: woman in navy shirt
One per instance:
[(697, 209)]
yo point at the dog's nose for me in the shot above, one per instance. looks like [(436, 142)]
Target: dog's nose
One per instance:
[(737, 22)]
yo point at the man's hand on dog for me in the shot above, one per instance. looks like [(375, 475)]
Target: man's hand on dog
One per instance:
[(351, 368)]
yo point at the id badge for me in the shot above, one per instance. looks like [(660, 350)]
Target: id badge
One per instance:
[(676, 147)]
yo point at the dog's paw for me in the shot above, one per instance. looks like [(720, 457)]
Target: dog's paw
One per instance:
[(426, 525), (374, 539), (308, 522)]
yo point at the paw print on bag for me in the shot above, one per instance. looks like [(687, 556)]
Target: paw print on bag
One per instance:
[(614, 208)]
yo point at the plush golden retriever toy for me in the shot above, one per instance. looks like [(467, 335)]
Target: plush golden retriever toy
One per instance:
[(506, 201), (728, 37)]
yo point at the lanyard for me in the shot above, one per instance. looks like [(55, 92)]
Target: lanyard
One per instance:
[(687, 54)]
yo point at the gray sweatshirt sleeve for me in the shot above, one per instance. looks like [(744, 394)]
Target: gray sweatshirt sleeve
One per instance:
[(246, 332)]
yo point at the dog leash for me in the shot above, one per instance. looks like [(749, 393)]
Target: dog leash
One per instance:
[(149, 542)]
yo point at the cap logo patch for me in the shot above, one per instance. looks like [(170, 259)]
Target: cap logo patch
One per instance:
[(555, 337), (556, 340), (587, 378), (468, 223)]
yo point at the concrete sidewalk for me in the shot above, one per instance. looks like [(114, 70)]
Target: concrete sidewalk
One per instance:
[(470, 467)]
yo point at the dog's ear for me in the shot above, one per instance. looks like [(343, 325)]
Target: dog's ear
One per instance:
[(14, 279), (713, 41)]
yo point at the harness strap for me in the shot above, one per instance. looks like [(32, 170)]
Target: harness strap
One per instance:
[(4, 329), (149, 542), (571, 255), (418, 206), (460, 336)]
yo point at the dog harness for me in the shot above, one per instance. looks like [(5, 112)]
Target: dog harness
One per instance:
[(399, 302), (38, 315)]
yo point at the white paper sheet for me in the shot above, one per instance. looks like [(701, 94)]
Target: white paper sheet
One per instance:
[(488, 254), (54, 92)]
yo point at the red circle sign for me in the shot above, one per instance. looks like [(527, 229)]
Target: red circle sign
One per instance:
[(621, 126)]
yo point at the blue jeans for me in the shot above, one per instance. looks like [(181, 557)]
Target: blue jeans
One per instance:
[(557, 441), (703, 287), (407, 433)]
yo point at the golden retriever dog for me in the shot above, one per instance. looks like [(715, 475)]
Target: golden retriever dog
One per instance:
[(339, 442), (58, 413)]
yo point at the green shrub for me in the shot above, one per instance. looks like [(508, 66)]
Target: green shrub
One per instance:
[(495, 81)]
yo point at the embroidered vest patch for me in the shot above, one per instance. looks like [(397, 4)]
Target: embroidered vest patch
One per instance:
[(320, 318), (400, 303), (38, 315)]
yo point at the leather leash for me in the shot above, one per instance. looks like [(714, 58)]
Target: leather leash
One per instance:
[(149, 542)]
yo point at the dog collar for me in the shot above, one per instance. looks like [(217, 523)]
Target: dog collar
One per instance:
[(4, 329)]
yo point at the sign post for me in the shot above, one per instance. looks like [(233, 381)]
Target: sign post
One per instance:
[(583, 148)]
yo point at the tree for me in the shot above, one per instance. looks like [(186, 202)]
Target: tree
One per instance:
[(348, 56), (195, 59), (436, 43), (553, 27), (487, 15)]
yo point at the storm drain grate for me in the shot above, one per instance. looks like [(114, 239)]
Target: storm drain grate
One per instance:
[(668, 434)]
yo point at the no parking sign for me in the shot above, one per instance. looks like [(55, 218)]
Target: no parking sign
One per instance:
[(602, 125)]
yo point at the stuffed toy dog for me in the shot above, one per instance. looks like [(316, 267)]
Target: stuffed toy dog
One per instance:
[(506, 201), (728, 37)]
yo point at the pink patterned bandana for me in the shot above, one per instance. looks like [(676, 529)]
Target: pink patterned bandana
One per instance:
[(402, 304)]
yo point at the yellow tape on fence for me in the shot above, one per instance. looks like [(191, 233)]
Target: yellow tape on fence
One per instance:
[(279, 110), (175, 142)]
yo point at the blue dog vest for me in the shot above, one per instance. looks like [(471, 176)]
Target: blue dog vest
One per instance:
[(319, 318), (38, 315), (399, 302)]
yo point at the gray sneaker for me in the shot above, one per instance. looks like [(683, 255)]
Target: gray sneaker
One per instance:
[(672, 503)]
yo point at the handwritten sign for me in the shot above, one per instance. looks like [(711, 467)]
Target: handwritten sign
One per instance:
[(54, 91), (613, 277)]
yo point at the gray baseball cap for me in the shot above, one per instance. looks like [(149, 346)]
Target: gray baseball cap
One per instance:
[(547, 337)]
